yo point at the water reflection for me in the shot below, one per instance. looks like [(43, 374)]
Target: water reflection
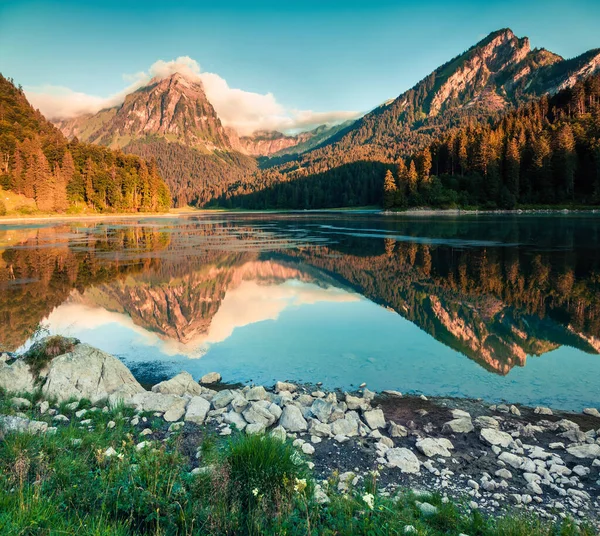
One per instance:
[(493, 289)]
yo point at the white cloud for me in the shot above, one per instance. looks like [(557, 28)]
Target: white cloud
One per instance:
[(244, 111)]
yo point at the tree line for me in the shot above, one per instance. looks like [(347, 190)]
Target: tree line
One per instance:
[(37, 161)]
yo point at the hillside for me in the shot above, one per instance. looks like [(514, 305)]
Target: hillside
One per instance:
[(38, 162)]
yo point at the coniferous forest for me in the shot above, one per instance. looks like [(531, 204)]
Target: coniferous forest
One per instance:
[(546, 152), (37, 161)]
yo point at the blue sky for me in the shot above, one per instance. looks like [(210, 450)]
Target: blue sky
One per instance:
[(310, 55)]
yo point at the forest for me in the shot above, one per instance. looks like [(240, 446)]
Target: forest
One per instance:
[(546, 152), (37, 161)]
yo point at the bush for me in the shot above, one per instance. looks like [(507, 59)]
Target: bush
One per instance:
[(47, 349), (2, 208), (263, 471)]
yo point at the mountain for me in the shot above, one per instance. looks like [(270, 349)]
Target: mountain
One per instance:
[(39, 163), (498, 73)]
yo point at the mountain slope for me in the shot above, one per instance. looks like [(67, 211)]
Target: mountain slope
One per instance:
[(499, 72), (37, 161)]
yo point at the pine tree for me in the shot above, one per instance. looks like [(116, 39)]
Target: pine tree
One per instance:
[(389, 190), (512, 168), (412, 177), (89, 182), (17, 172), (425, 165), (29, 179), (566, 160), (44, 183), (60, 190)]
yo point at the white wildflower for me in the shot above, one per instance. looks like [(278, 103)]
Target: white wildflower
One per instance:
[(369, 499)]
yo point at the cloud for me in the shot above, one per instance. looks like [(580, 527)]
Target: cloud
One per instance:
[(245, 111)]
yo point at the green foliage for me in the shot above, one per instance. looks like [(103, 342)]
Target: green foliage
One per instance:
[(45, 350)]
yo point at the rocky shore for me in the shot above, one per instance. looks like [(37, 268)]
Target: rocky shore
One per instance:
[(490, 457)]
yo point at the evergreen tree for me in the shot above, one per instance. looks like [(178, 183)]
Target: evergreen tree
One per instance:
[(389, 190), (412, 177), (512, 168)]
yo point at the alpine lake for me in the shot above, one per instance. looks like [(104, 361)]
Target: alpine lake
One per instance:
[(495, 306)]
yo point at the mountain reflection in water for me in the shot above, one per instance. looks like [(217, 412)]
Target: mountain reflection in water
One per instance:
[(241, 291)]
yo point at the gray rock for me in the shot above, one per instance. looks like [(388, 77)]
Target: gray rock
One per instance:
[(543, 411), (211, 377), (256, 393), (321, 409), (511, 459), (320, 429), (495, 437), (233, 417), (292, 419), (487, 422), (435, 447), (258, 414), (307, 448), (255, 428), (585, 451), (239, 403), (285, 386), (462, 425), (17, 377), (374, 418), (182, 384), (20, 403), (157, 402), (10, 424), (354, 403), (397, 430), (223, 398), (460, 414), (427, 509), (87, 372), (346, 427), (279, 433), (404, 459), (197, 409), (391, 392), (592, 411)]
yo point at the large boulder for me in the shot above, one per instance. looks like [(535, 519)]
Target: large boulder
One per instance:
[(461, 425), (404, 459), (17, 378), (172, 406), (431, 446), (495, 437), (182, 384), (585, 451), (293, 420), (87, 372), (197, 410), (9, 424)]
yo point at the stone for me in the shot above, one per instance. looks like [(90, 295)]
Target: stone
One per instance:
[(320, 429), (397, 430), (182, 384), (355, 403), (346, 426), (239, 403), (305, 400), (174, 427), (146, 431), (111, 424), (426, 509), (157, 402), (503, 473), (87, 372), (374, 418), (495, 437), (10, 424), (274, 410), (340, 438), (319, 495), (391, 392), (211, 377), (44, 406), (20, 403), (279, 433), (17, 378), (461, 425), (142, 445), (435, 447), (585, 451), (255, 428), (534, 487), (511, 459), (592, 411), (223, 398), (580, 470), (257, 414), (404, 459), (257, 393), (515, 411), (487, 422), (285, 386), (557, 446), (197, 409), (293, 420), (174, 414), (460, 414), (543, 411), (307, 448), (321, 409), (233, 417)]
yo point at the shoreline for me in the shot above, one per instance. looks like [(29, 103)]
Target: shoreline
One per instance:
[(536, 460)]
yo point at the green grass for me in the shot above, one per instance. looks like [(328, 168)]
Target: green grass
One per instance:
[(65, 484)]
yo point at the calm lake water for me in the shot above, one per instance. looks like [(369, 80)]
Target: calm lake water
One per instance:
[(498, 307)]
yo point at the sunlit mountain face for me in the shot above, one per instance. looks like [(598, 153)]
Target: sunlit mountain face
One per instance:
[(411, 304)]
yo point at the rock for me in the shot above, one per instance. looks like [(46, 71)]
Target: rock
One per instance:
[(461, 425), (404, 459), (581, 471), (503, 473), (20, 403), (255, 428), (17, 378), (460, 414), (182, 384), (223, 398), (319, 495), (592, 411), (410, 529), (61, 418), (435, 447), (391, 392), (511, 459), (256, 393), (10, 424), (142, 445), (346, 426), (321, 409), (585, 451), (293, 420), (320, 429), (355, 403), (257, 414), (197, 409), (534, 487), (285, 386), (110, 452), (146, 431), (340, 438), (111, 424), (305, 400), (279, 433), (397, 430), (487, 422), (87, 372), (44, 406), (239, 403), (157, 402), (515, 411), (176, 426), (543, 411), (211, 377), (233, 417), (374, 418), (307, 448), (274, 410), (495, 437), (556, 446), (427, 509)]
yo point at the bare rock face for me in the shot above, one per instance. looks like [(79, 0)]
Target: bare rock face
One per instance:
[(87, 372), (17, 377)]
